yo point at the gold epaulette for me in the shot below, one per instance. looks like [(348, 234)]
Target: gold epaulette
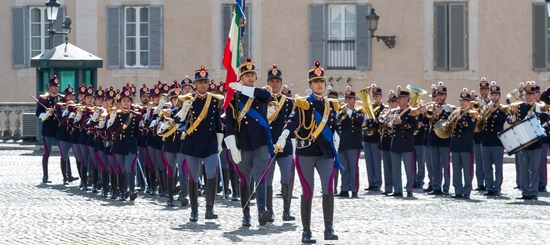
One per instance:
[(335, 104), (301, 103), (45, 96), (414, 112)]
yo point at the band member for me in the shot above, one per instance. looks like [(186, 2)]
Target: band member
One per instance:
[(371, 140), (543, 168), (92, 116), (154, 141), (45, 111), (462, 145), (491, 146), (143, 153), (439, 148), (317, 147), (126, 129), (64, 133), (187, 87), (201, 140), (428, 121), (111, 117), (350, 120), (530, 155), (82, 114), (278, 111), (103, 136), (403, 124), (483, 99), (385, 142)]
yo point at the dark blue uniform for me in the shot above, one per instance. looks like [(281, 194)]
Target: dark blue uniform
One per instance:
[(350, 149), (49, 128), (492, 150), (402, 148), (461, 153), (439, 156)]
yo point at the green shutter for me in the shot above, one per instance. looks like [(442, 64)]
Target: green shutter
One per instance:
[(540, 37), (114, 37), (458, 37), (58, 38), (317, 35), (155, 36), (363, 39), (440, 37), (19, 37)]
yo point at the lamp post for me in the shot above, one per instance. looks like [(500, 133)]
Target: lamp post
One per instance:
[(372, 23), (52, 8)]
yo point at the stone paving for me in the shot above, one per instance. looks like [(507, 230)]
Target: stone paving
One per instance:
[(35, 213)]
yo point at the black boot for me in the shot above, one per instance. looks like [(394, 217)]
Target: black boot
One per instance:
[(269, 203), (328, 212), (114, 186), (162, 186), (225, 173), (122, 187), (305, 210), (263, 214), (245, 193), (287, 196), (63, 164), (210, 197), (193, 199), (234, 185), (170, 185), (153, 187), (45, 170), (105, 183), (95, 178), (79, 169), (84, 178)]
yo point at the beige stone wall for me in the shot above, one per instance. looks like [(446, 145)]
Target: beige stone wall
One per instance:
[(500, 44)]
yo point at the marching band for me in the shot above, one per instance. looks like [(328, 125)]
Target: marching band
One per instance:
[(181, 132)]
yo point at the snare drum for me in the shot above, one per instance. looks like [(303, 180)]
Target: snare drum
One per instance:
[(521, 135)]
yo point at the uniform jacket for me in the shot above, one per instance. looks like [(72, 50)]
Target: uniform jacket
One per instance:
[(49, 127), (403, 139), (351, 136), (493, 125), (125, 139), (278, 124), (462, 139)]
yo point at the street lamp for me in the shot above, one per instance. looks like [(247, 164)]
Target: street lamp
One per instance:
[(372, 23), (52, 8)]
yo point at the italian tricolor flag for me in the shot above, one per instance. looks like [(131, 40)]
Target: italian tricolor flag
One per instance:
[(232, 52)]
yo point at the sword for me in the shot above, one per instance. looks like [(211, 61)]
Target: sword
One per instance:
[(37, 101), (221, 176), (266, 170), (140, 168)]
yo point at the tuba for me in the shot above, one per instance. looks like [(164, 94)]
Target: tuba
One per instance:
[(366, 106)]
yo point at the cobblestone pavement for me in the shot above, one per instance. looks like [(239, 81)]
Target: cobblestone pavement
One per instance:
[(55, 214)]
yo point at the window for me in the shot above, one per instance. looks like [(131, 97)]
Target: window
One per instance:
[(134, 37), (227, 12), (30, 35), (339, 36), (136, 24), (450, 36), (540, 37)]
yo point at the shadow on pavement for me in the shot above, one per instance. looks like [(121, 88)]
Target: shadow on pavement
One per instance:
[(197, 227), (267, 229), (529, 202)]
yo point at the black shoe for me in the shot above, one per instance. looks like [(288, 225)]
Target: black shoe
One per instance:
[(264, 217), (429, 189), (210, 213), (436, 193), (45, 180), (253, 196), (184, 201), (354, 195), (170, 202), (535, 198), (524, 197), (467, 197), (306, 237), (517, 187), (84, 187), (246, 221), (397, 194), (94, 189), (375, 188), (194, 217), (542, 188), (133, 196), (409, 194), (457, 196), (104, 193), (65, 182), (386, 193), (343, 194), (234, 197), (113, 195), (371, 188), (71, 178), (481, 188), (329, 234), (445, 193), (489, 193)]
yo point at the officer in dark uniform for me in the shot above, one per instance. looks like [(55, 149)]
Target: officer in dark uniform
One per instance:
[(202, 135), (316, 149), (350, 120), (543, 167), (439, 148), (403, 124), (385, 141), (491, 146), (154, 141), (462, 146), (371, 140), (82, 114), (126, 129), (249, 135), (49, 121), (420, 144), (278, 112), (63, 134), (428, 121), (530, 155), (103, 136), (483, 100)]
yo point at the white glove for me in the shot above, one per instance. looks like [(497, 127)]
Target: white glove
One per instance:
[(65, 112), (141, 124), (153, 124), (349, 111), (232, 146), (237, 86), (95, 115), (182, 114), (77, 117), (281, 142), (246, 90), (220, 139), (45, 115), (270, 111), (336, 139), (100, 125), (162, 127), (161, 105), (293, 140), (111, 120)]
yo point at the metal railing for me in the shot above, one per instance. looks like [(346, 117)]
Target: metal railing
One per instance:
[(341, 55), (13, 112)]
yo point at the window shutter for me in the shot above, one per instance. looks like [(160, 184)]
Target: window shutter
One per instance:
[(540, 37), (458, 37), (226, 24), (246, 38), (317, 35), (363, 39), (58, 38), (155, 36), (440, 37), (19, 38), (114, 37)]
